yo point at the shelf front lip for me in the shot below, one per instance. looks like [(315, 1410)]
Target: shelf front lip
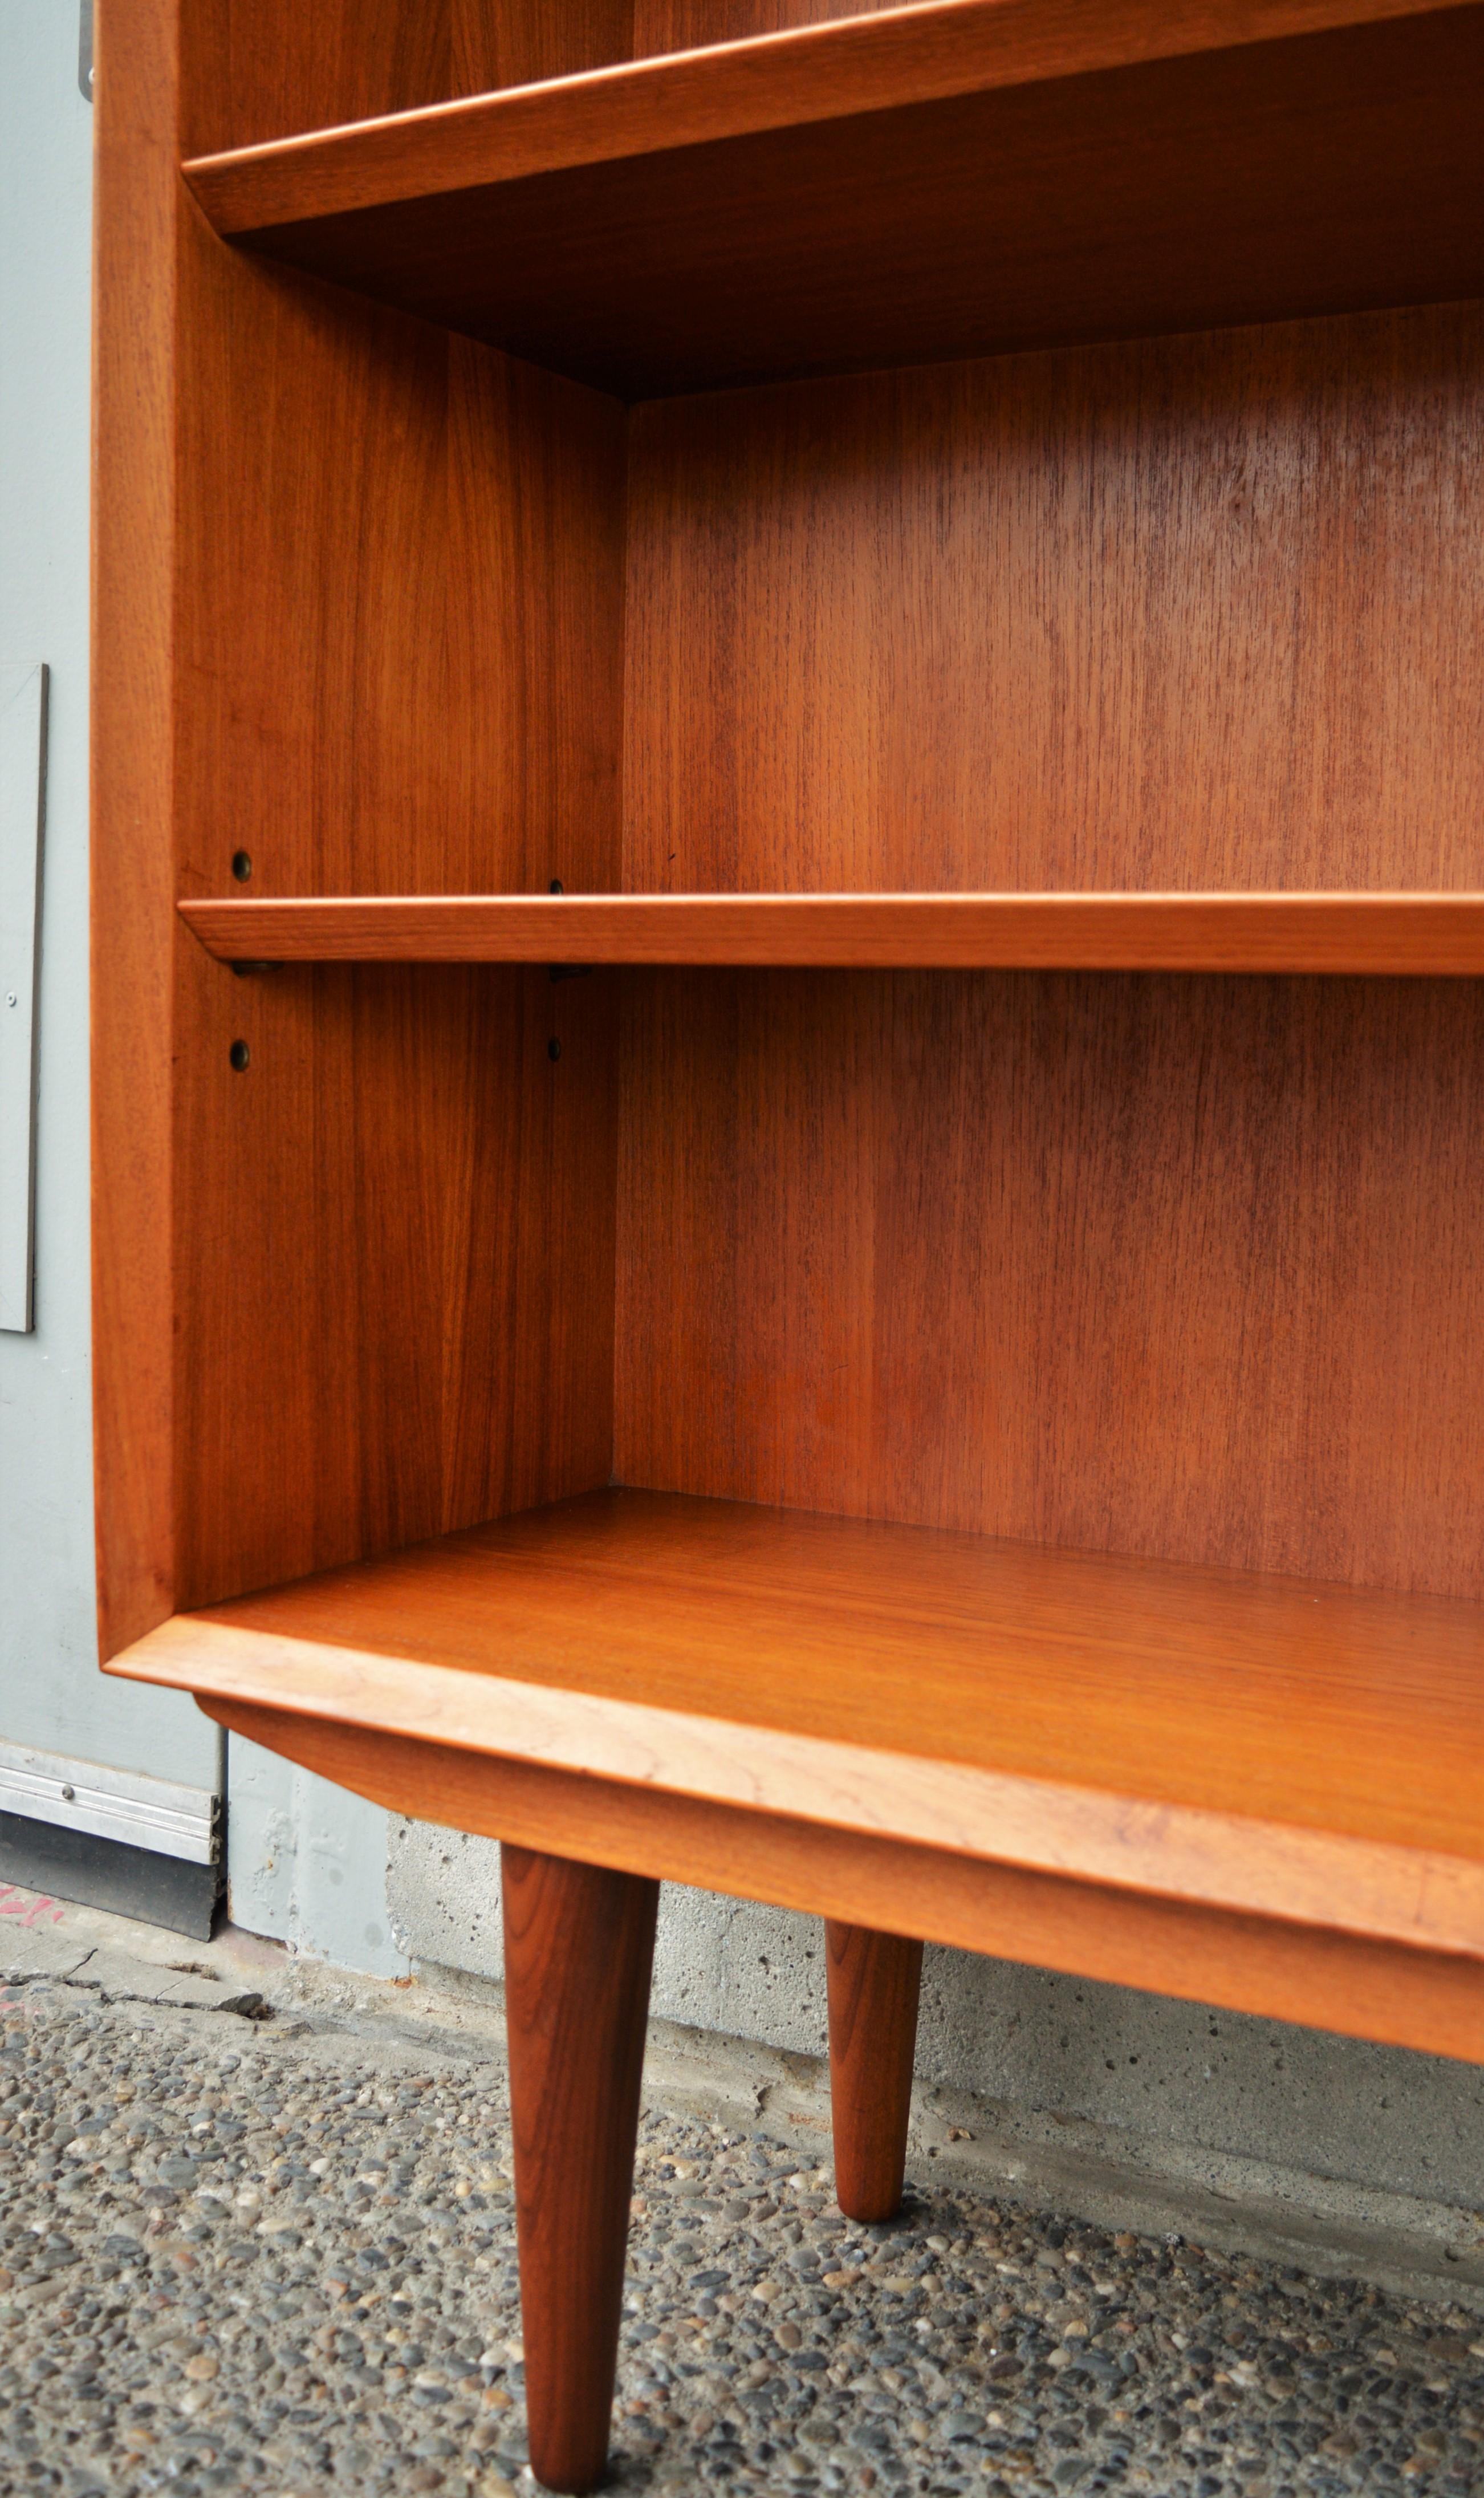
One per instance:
[(852, 66), (1375, 1889), (1410, 933)]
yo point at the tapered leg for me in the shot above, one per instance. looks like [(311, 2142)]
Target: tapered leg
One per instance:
[(579, 1948), (873, 1982)]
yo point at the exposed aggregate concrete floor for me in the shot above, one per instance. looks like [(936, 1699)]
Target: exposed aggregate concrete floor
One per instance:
[(251, 2255)]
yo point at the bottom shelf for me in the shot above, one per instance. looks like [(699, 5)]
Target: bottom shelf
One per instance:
[(1307, 1755)]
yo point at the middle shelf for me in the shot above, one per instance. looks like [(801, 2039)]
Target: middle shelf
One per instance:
[(1335, 932)]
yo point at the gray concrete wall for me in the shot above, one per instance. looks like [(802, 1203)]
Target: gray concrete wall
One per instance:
[(306, 1864), (1135, 2065)]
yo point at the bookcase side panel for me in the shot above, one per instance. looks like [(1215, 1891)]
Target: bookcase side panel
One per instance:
[(398, 644), (513, 43), (132, 867), (679, 25), (397, 1284), (263, 69)]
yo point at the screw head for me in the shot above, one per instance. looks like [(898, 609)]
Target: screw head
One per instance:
[(11, 998)]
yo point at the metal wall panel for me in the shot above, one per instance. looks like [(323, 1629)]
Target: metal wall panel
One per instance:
[(22, 812)]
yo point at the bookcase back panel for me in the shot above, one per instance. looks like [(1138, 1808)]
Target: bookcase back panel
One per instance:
[(1180, 613), (1181, 1268)]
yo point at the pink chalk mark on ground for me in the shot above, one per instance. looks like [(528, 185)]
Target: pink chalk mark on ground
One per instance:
[(31, 1908)]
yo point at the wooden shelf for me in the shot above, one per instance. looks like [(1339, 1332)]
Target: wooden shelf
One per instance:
[(935, 181), (1257, 1744), (1416, 933)]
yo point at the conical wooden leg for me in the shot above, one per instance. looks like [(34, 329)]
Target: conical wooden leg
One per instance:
[(579, 1948), (873, 1982)]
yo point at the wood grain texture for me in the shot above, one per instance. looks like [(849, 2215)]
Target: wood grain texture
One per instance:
[(1381, 933), (1180, 1269), (359, 158), (399, 628), (415, 684), (255, 67), (873, 1983), (396, 1279), (899, 1678), (314, 1276), (131, 866), (1185, 1270), (393, 1290), (1200, 613), (925, 183), (515, 42), (1388, 1992), (579, 1949), (262, 69), (684, 25), (1381, 1889)]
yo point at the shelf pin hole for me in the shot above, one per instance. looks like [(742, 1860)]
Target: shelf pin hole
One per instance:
[(553, 1047), (557, 884), (241, 866), (240, 1056)]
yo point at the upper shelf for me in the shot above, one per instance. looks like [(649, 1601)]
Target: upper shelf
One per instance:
[(954, 180), (1428, 933)]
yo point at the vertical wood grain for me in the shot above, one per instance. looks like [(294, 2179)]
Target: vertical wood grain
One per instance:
[(677, 25), (401, 601), (511, 42), (1184, 1267), (1172, 1267), (396, 1290), (360, 616), (262, 68), (132, 863), (578, 1950), (873, 1983), (399, 621), (1182, 613)]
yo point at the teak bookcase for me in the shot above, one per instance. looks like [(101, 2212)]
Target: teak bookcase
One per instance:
[(931, 561)]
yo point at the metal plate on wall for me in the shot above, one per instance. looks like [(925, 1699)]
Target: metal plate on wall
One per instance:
[(22, 808), (122, 1805)]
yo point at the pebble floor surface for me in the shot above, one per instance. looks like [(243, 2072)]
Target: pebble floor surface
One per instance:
[(234, 2257)]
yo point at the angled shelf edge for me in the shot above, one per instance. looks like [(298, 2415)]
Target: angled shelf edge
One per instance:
[(1416, 934), (853, 65), (968, 177), (1251, 1744)]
